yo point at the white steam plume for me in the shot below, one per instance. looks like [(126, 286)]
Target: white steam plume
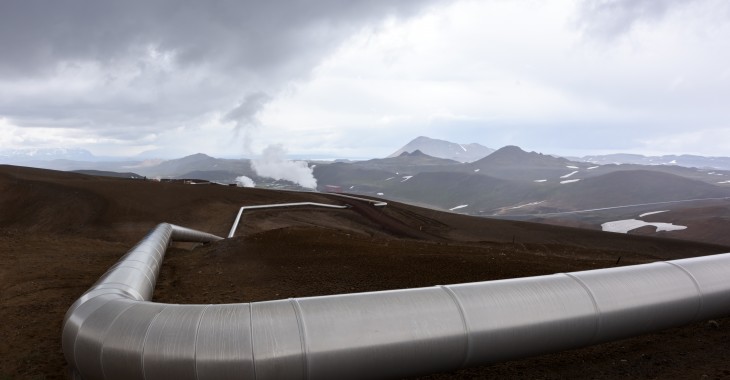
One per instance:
[(273, 164), (245, 115), (244, 181)]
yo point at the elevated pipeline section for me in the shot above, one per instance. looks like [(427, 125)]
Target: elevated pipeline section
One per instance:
[(234, 227), (114, 332)]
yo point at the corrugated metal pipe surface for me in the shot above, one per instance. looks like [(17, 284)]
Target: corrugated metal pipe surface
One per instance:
[(114, 332)]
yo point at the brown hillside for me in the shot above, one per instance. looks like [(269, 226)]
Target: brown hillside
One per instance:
[(60, 231), (633, 187)]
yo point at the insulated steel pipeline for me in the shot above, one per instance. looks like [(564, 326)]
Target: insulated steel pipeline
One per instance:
[(234, 227), (114, 332)]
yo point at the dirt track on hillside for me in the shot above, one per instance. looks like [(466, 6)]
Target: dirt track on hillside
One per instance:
[(60, 232)]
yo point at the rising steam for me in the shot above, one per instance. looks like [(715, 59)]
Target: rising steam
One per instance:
[(245, 116), (244, 181), (273, 164)]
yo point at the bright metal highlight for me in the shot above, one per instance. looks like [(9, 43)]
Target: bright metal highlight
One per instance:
[(113, 332)]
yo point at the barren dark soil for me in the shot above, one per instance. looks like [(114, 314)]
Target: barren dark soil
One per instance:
[(59, 232), (706, 220)]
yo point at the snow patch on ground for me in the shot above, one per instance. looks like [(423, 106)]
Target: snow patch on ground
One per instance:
[(462, 147), (406, 178), (569, 174), (476, 170), (592, 167), (624, 226), (457, 207), (569, 181), (381, 194), (352, 187), (388, 179), (571, 167), (540, 180), (724, 182), (652, 213)]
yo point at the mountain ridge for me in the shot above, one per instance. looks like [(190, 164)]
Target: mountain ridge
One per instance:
[(684, 160), (445, 149)]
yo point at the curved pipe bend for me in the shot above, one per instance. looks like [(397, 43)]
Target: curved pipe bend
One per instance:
[(114, 332)]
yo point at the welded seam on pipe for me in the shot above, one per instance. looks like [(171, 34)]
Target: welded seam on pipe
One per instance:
[(250, 329), (147, 335), (596, 308), (302, 336), (389, 333), (106, 332), (460, 308), (197, 332), (697, 286)]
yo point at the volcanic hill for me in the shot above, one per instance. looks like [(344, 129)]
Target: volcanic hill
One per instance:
[(59, 232)]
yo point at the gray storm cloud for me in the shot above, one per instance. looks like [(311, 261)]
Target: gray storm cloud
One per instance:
[(260, 36), (244, 115), (118, 69), (611, 18), (179, 76)]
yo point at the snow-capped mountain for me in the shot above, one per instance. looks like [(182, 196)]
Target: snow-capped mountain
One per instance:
[(445, 149), (686, 160)]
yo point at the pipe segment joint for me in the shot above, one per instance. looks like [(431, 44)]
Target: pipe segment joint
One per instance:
[(114, 332)]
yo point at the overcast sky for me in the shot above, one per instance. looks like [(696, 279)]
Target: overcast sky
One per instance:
[(362, 78)]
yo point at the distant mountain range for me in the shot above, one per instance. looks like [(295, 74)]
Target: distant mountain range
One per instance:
[(80, 159), (474, 152), (472, 179), (44, 154), (690, 161), (515, 184), (445, 149), (512, 181)]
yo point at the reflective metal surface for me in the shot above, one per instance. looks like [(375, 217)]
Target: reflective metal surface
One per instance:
[(113, 332)]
